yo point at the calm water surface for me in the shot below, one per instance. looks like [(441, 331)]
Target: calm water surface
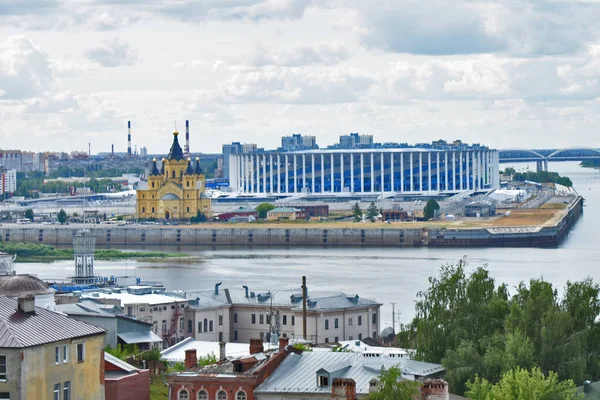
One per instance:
[(387, 275)]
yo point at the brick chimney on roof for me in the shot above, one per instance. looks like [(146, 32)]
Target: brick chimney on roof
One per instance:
[(191, 360), (26, 304), (434, 389), (256, 346), (343, 389), (222, 352), (283, 342)]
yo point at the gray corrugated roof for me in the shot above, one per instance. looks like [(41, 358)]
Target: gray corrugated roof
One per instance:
[(283, 209), (139, 337), (298, 372), (18, 330)]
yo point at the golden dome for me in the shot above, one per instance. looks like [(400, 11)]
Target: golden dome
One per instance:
[(154, 159), (197, 158), (175, 132)]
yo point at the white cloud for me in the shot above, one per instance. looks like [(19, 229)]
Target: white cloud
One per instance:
[(112, 54), (320, 53)]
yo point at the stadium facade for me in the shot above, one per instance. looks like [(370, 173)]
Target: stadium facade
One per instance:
[(409, 170)]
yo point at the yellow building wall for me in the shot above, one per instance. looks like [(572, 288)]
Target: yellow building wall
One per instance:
[(39, 372)]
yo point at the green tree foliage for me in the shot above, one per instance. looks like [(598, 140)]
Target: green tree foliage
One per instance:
[(209, 359), (372, 212), (521, 384), (263, 209), (357, 212), (543, 177), (509, 171), (29, 214), (474, 326), (62, 216), (199, 218), (389, 386), (430, 208)]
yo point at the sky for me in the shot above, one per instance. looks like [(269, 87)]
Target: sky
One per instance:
[(507, 74)]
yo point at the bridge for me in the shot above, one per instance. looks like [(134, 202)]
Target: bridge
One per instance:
[(542, 157)]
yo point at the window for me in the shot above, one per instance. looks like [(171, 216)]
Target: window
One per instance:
[(188, 209), (326, 324), (240, 395), (262, 336), (268, 319), (3, 368), (221, 395), (199, 327), (235, 318), (210, 326), (374, 318), (181, 323), (155, 326), (205, 325), (152, 184), (235, 335), (67, 391), (220, 320), (374, 335), (57, 355), (350, 338), (335, 324), (173, 176), (360, 336), (152, 210), (65, 353), (326, 340), (5, 395), (284, 335), (284, 320), (56, 393), (293, 320), (349, 321), (187, 184), (164, 325), (359, 320), (323, 381), (143, 210), (337, 339), (262, 319), (253, 318), (190, 326), (220, 336), (202, 395), (80, 352), (183, 395)]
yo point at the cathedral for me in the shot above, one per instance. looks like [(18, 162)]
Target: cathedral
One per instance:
[(176, 192)]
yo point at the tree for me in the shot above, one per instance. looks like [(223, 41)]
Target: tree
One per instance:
[(389, 386), (521, 384), (372, 212), (430, 208), (62, 216), (509, 171), (357, 212), (29, 214), (198, 218), (263, 209)]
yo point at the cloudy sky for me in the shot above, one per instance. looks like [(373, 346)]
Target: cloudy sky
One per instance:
[(507, 74)]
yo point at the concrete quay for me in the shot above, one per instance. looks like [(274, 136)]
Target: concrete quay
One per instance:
[(363, 235)]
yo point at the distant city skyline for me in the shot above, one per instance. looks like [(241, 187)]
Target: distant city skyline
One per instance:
[(503, 74)]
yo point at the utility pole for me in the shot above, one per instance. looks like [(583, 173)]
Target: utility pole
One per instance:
[(304, 292), (394, 317)]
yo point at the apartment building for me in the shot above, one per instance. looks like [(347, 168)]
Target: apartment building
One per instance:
[(233, 315)]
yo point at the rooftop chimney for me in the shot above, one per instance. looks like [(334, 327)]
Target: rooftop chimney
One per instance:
[(191, 360), (343, 389), (217, 288), (256, 346), (26, 304), (246, 288), (222, 353), (283, 342), (434, 389), (186, 149), (129, 137), (112, 149)]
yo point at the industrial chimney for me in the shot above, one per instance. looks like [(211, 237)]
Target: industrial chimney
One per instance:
[(186, 149), (129, 138), (112, 150)]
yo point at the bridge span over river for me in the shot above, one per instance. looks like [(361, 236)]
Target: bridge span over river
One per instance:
[(543, 156)]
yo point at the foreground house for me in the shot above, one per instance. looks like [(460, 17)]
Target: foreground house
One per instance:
[(45, 355), (123, 381)]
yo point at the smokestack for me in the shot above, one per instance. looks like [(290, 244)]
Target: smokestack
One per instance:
[(89, 149), (112, 150), (187, 139), (304, 294), (129, 138)]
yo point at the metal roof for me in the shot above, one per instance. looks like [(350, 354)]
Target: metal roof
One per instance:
[(16, 285), (139, 337), (117, 362), (283, 209), (18, 329)]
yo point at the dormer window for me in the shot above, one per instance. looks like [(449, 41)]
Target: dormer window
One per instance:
[(323, 380)]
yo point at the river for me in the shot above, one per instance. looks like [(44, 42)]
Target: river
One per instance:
[(385, 274)]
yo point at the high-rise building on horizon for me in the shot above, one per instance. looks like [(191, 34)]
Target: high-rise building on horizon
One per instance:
[(298, 142), (8, 181), (356, 141)]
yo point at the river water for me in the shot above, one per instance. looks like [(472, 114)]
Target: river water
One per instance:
[(385, 274)]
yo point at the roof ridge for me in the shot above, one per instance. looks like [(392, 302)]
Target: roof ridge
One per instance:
[(13, 336)]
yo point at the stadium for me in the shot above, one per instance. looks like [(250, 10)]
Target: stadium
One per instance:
[(387, 171)]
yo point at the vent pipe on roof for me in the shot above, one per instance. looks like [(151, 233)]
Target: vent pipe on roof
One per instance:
[(246, 288), (304, 293), (217, 288)]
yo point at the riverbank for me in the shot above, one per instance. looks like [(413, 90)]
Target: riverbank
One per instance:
[(522, 228), (27, 252)]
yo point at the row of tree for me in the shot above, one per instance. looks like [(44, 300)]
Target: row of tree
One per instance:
[(477, 328), (541, 177)]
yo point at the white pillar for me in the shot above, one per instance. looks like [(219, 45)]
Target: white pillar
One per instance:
[(401, 171), (251, 173), (446, 170), (303, 172), (454, 171), (421, 171), (295, 173), (270, 173), (372, 172), (461, 170), (429, 171), (362, 172), (352, 172), (287, 172), (341, 172), (264, 157), (392, 172), (332, 166), (279, 173), (438, 171), (322, 173), (312, 183), (412, 188), (381, 161)]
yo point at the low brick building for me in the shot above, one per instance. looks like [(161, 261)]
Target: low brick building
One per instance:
[(123, 381), (228, 379)]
